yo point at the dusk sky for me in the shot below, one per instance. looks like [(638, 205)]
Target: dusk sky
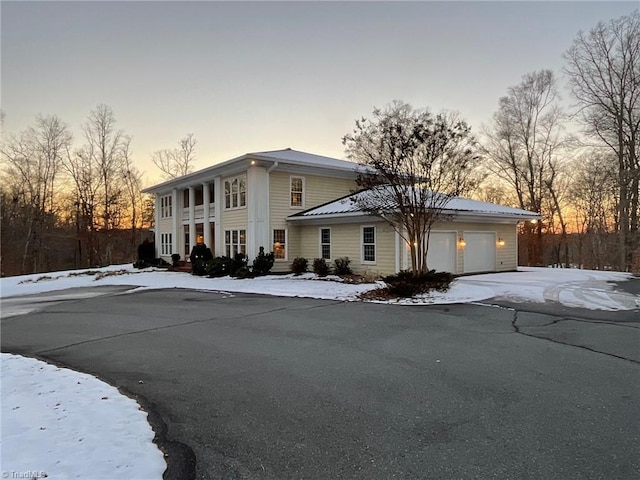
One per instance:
[(253, 76)]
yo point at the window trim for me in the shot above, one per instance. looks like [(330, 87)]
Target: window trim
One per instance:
[(235, 196), (166, 244), (286, 244), (166, 206), (234, 244), (321, 243), (363, 261), (302, 193)]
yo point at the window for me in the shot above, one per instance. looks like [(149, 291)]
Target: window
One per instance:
[(185, 198), (212, 192), (368, 244), (235, 241), (297, 192), (199, 194), (165, 207), (235, 192), (165, 244), (325, 243), (280, 244)]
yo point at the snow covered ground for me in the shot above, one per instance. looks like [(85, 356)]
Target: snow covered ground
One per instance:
[(571, 287), (58, 423), (68, 424)]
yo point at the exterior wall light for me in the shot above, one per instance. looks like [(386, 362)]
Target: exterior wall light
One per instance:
[(461, 242), (501, 242)]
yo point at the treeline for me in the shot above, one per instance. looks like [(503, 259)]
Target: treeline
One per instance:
[(66, 206), (585, 183)]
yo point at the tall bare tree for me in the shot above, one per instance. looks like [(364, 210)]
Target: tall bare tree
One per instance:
[(603, 66), (413, 163), (31, 173), (524, 145), (177, 161)]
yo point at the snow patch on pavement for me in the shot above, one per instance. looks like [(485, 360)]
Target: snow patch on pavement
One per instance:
[(64, 424)]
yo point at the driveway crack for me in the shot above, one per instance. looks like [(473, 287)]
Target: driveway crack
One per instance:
[(516, 329)]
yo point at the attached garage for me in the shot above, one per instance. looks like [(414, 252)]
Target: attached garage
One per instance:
[(479, 252), (442, 252)]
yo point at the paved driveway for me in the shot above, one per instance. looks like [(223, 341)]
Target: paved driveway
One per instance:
[(284, 388)]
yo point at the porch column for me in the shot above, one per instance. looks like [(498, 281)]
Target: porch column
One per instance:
[(176, 213), (156, 232), (192, 217), (217, 192), (206, 224)]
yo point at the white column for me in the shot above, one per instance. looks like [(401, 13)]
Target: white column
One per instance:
[(156, 233), (206, 212), (192, 217), (176, 212), (218, 193)]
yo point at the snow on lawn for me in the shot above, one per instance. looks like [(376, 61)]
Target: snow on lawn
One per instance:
[(571, 287), (64, 424)]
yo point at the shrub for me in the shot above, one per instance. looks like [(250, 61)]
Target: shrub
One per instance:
[(321, 268), (175, 258), (341, 266), (263, 263), (240, 260), (299, 265), (219, 267), (407, 284), (243, 272), (200, 256)]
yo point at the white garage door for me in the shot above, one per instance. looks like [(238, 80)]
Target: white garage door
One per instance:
[(441, 255), (480, 252)]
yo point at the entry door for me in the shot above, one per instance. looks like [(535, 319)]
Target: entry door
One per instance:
[(479, 252), (441, 255)]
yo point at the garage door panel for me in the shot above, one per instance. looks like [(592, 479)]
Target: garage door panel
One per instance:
[(480, 252), (442, 252)]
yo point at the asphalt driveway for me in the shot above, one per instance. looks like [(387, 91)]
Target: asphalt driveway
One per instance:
[(283, 388)]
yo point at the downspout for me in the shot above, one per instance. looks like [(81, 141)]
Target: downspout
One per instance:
[(269, 170)]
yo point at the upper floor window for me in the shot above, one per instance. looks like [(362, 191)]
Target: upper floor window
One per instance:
[(166, 209), (297, 191), (185, 198), (235, 192), (368, 244), (199, 194)]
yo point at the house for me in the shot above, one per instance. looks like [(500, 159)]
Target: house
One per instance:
[(298, 204)]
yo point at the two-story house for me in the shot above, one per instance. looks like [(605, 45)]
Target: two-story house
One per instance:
[(297, 204)]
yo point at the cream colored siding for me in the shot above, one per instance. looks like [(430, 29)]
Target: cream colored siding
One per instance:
[(233, 219), (317, 190), (346, 241)]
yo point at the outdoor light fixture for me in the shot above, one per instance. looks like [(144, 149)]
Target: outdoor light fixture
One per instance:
[(501, 242), (253, 162), (461, 242)]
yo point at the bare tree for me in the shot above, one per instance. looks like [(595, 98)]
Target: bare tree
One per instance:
[(178, 161), (603, 67), (31, 166), (413, 162), (524, 145)]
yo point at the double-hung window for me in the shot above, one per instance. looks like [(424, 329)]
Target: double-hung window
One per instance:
[(280, 244), (166, 206), (235, 241), (166, 246), (325, 243), (297, 191), (368, 244)]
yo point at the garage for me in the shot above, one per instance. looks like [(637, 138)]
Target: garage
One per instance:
[(479, 252), (441, 255)]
